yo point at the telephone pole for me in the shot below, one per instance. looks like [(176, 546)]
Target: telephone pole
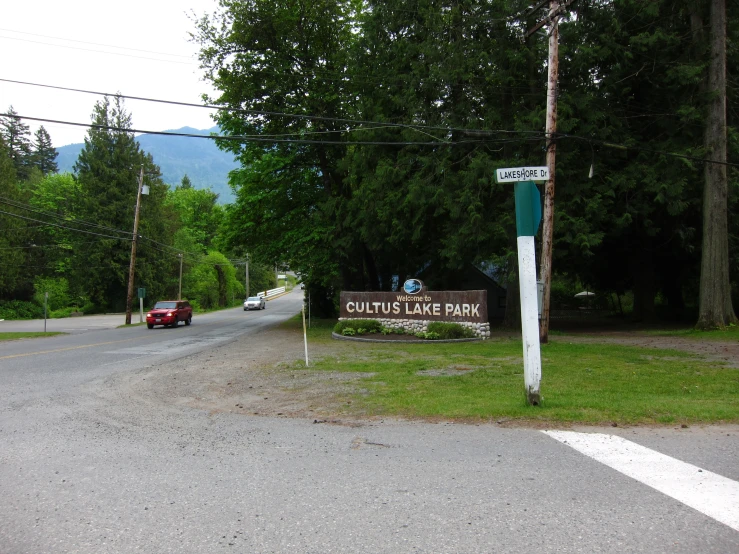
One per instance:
[(547, 233), (132, 266), (246, 277), (179, 295)]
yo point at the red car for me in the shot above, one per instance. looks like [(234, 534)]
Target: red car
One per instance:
[(169, 312)]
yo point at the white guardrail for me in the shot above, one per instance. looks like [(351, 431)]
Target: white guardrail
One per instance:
[(272, 292)]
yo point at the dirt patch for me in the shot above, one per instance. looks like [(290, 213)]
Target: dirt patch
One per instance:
[(716, 351), (262, 374)]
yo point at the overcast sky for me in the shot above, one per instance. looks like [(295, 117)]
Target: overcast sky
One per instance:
[(137, 48)]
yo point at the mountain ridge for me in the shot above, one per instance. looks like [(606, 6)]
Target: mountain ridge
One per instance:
[(199, 159)]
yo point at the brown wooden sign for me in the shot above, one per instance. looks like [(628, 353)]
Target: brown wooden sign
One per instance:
[(457, 306)]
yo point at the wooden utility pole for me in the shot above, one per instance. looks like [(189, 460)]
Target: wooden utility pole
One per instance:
[(132, 266), (179, 294), (547, 233)]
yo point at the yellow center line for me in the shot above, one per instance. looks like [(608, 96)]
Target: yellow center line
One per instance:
[(70, 348)]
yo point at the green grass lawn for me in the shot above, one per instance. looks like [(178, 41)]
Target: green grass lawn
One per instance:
[(583, 383), (16, 336)]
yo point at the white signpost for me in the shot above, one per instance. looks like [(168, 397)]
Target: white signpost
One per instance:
[(528, 217)]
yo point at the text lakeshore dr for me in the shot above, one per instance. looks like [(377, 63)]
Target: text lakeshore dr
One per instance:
[(468, 306)]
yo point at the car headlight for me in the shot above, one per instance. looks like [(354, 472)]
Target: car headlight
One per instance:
[(170, 314)]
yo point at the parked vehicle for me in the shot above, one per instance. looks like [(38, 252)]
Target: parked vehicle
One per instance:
[(169, 313), (254, 303)]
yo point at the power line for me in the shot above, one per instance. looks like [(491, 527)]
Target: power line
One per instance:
[(160, 246), (616, 146), (42, 246), (257, 138), (245, 112), (94, 43), (62, 226), (97, 51), (22, 206), (240, 138)]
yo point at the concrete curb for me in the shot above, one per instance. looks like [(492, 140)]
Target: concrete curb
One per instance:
[(416, 341)]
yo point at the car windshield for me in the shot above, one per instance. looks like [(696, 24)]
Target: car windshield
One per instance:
[(253, 299), (165, 305)]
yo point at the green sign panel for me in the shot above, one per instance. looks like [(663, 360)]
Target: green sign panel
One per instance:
[(528, 208), (142, 292)]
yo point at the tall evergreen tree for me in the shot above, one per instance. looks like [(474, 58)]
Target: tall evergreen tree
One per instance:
[(16, 135), (108, 172), (715, 309), (13, 245), (44, 154)]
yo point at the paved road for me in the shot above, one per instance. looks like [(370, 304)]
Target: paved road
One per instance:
[(89, 464), (67, 325)]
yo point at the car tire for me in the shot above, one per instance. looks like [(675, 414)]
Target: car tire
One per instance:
[(175, 322), (150, 325), (188, 321), (244, 309)]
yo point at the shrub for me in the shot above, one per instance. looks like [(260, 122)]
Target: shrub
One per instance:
[(63, 312), (428, 335), (348, 332), (450, 330), (18, 309), (58, 289), (89, 308), (365, 325)]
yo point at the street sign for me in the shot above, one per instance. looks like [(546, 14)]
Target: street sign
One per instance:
[(142, 292), (528, 208), (517, 174)]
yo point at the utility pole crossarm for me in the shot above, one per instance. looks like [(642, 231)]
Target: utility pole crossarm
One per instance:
[(550, 17)]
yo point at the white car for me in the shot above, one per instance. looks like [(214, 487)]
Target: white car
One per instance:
[(254, 303)]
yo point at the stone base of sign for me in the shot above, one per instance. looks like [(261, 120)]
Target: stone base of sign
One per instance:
[(400, 339), (481, 330)]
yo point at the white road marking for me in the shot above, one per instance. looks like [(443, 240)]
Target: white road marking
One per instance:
[(709, 493)]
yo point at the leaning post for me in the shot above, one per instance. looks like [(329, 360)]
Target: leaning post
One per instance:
[(528, 218)]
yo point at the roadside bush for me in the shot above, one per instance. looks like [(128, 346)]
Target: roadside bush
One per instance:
[(448, 331), (63, 312), (89, 308), (348, 332), (18, 309), (365, 325), (58, 289)]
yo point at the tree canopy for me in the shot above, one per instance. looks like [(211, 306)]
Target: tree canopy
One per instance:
[(375, 129)]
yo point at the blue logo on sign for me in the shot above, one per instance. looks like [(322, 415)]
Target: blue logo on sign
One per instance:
[(412, 286)]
